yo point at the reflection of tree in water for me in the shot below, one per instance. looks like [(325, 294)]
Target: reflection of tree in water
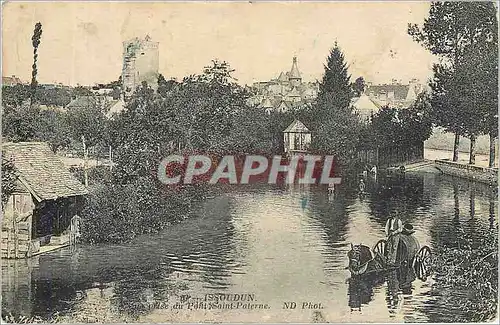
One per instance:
[(207, 239), (139, 272), (460, 235), (331, 214), (401, 196)]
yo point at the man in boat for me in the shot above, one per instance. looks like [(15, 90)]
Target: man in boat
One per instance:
[(393, 229)]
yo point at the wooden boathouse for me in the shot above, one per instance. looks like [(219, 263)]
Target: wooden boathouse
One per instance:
[(41, 214)]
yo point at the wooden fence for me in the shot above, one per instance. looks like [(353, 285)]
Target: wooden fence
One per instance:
[(16, 239), (392, 156)]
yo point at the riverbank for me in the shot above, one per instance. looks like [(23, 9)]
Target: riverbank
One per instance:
[(471, 172)]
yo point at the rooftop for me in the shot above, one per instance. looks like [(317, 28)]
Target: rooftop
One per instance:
[(41, 171)]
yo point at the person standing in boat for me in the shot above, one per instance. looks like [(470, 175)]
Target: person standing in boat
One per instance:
[(393, 229)]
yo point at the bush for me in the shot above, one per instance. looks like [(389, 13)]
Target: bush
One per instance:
[(96, 175), (473, 268), (119, 212)]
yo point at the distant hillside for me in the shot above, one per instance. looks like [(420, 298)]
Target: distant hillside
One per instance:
[(444, 141)]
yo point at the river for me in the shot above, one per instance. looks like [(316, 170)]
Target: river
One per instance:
[(274, 244)]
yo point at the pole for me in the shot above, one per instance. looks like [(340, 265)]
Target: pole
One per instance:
[(110, 158), (85, 157)]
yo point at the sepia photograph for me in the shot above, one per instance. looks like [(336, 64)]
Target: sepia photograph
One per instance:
[(249, 162)]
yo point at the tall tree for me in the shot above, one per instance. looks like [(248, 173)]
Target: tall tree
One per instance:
[(358, 86), (453, 31), (336, 79), (335, 127), (35, 39)]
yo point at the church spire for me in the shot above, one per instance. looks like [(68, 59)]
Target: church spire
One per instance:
[(294, 75)]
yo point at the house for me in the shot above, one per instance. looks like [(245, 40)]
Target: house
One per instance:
[(365, 107), (109, 105), (395, 94), (11, 81), (296, 138), (39, 213), (287, 87)]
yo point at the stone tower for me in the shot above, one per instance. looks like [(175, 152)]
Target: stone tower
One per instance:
[(294, 75), (140, 63)]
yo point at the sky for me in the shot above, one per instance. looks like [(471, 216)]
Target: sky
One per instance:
[(82, 41)]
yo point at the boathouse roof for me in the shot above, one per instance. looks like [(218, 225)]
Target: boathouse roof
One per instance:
[(41, 171)]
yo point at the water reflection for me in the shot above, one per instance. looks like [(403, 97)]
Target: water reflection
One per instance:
[(277, 242)]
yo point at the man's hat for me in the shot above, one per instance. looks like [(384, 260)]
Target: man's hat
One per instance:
[(407, 229)]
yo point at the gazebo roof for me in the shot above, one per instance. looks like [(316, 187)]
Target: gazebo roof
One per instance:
[(296, 127)]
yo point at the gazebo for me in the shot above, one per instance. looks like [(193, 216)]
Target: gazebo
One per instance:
[(296, 138)]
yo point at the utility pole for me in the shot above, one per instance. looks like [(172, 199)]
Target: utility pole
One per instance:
[(110, 158), (85, 158)]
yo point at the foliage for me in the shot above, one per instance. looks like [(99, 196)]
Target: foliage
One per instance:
[(465, 84), (473, 268), (165, 86), (404, 127), (335, 127), (54, 129), (58, 97), (337, 132), (35, 39), (454, 26), (24, 122), (201, 113), (8, 179), (253, 132), (79, 91), (15, 96), (21, 123), (358, 86), (336, 79), (87, 120), (119, 212)]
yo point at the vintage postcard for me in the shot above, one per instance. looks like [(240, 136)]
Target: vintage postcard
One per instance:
[(249, 162)]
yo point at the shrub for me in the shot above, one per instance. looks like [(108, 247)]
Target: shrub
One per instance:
[(473, 268), (119, 212)]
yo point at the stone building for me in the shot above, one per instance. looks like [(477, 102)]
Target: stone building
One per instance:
[(396, 94), (140, 63), (287, 91)]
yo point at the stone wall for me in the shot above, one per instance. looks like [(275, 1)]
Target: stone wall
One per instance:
[(476, 173)]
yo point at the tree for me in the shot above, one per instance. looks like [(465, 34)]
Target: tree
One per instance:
[(337, 134), (9, 177), (336, 80), (88, 120), (335, 127), (54, 129), (454, 31), (165, 86), (445, 103), (37, 34), (20, 123), (358, 87)]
